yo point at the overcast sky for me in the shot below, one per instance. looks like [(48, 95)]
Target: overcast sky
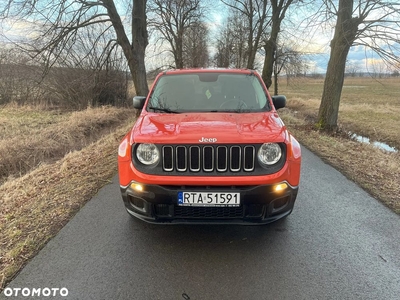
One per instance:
[(308, 39)]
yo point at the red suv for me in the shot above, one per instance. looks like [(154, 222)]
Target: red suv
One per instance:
[(209, 147)]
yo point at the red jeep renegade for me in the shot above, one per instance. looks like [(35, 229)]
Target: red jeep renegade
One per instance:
[(209, 147)]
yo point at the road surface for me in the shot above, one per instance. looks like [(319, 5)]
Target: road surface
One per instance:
[(339, 243)]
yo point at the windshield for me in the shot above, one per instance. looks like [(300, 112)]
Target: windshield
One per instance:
[(208, 92)]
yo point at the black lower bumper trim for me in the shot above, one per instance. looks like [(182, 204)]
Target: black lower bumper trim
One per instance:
[(159, 204)]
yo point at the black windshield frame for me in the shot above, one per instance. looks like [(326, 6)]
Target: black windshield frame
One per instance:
[(209, 92)]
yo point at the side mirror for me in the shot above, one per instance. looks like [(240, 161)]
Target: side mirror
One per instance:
[(138, 101), (279, 101)]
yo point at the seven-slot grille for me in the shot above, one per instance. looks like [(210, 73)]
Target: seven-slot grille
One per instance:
[(207, 158)]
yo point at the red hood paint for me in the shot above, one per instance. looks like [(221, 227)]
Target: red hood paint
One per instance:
[(189, 128)]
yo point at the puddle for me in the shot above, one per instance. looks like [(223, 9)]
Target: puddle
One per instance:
[(365, 140)]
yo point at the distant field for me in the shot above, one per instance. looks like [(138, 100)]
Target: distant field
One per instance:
[(369, 107)]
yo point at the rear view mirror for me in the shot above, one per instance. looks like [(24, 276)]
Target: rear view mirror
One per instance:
[(279, 101), (138, 101)]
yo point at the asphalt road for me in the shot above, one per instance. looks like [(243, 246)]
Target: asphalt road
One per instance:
[(339, 243)]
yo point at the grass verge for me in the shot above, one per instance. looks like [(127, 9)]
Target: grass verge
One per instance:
[(36, 206), (376, 171), (32, 137), (369, 107)]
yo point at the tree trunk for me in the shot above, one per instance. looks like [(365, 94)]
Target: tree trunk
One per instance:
[(250, 45), (179, 52), (345, 34), (254, 43), (139, 44), (270, 49), (279, 8), (135, 52), (329, 107), (270, 44)]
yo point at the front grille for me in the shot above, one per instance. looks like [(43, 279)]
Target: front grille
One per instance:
[(208, 160), (221, 158), (208, 212)]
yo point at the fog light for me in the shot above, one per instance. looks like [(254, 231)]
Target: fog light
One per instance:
[(139, 205), (137, 187), (280, 187)]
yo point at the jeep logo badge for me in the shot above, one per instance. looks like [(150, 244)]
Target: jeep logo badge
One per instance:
[(208, 140)]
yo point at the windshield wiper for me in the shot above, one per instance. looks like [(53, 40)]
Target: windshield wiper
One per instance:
[(166, 110), (228, 111)]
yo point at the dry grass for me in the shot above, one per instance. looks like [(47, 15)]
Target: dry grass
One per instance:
[(30, 137), (368, 108), (27, 121), (36, 206)]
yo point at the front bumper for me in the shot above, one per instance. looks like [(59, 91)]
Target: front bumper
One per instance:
[(159, 204)]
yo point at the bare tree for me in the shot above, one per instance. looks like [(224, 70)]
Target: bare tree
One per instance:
[(173, 18), (80, 78), (88, 75), (279, 9), (224, 55), (239, 30), (251, 15), (195, 46), (352, 69), (296, 65), (371, 23), (17, 79), (290, 61), (58, 23)]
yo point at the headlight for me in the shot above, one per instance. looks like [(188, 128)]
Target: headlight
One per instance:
[(148, 154), (269, 154)]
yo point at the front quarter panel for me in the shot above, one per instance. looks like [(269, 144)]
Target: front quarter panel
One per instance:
[(294, 160), (124, 160)]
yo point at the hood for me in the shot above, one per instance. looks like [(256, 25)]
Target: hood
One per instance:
[(224, 128)]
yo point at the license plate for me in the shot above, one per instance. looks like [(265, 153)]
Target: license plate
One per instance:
[(208, 199)]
